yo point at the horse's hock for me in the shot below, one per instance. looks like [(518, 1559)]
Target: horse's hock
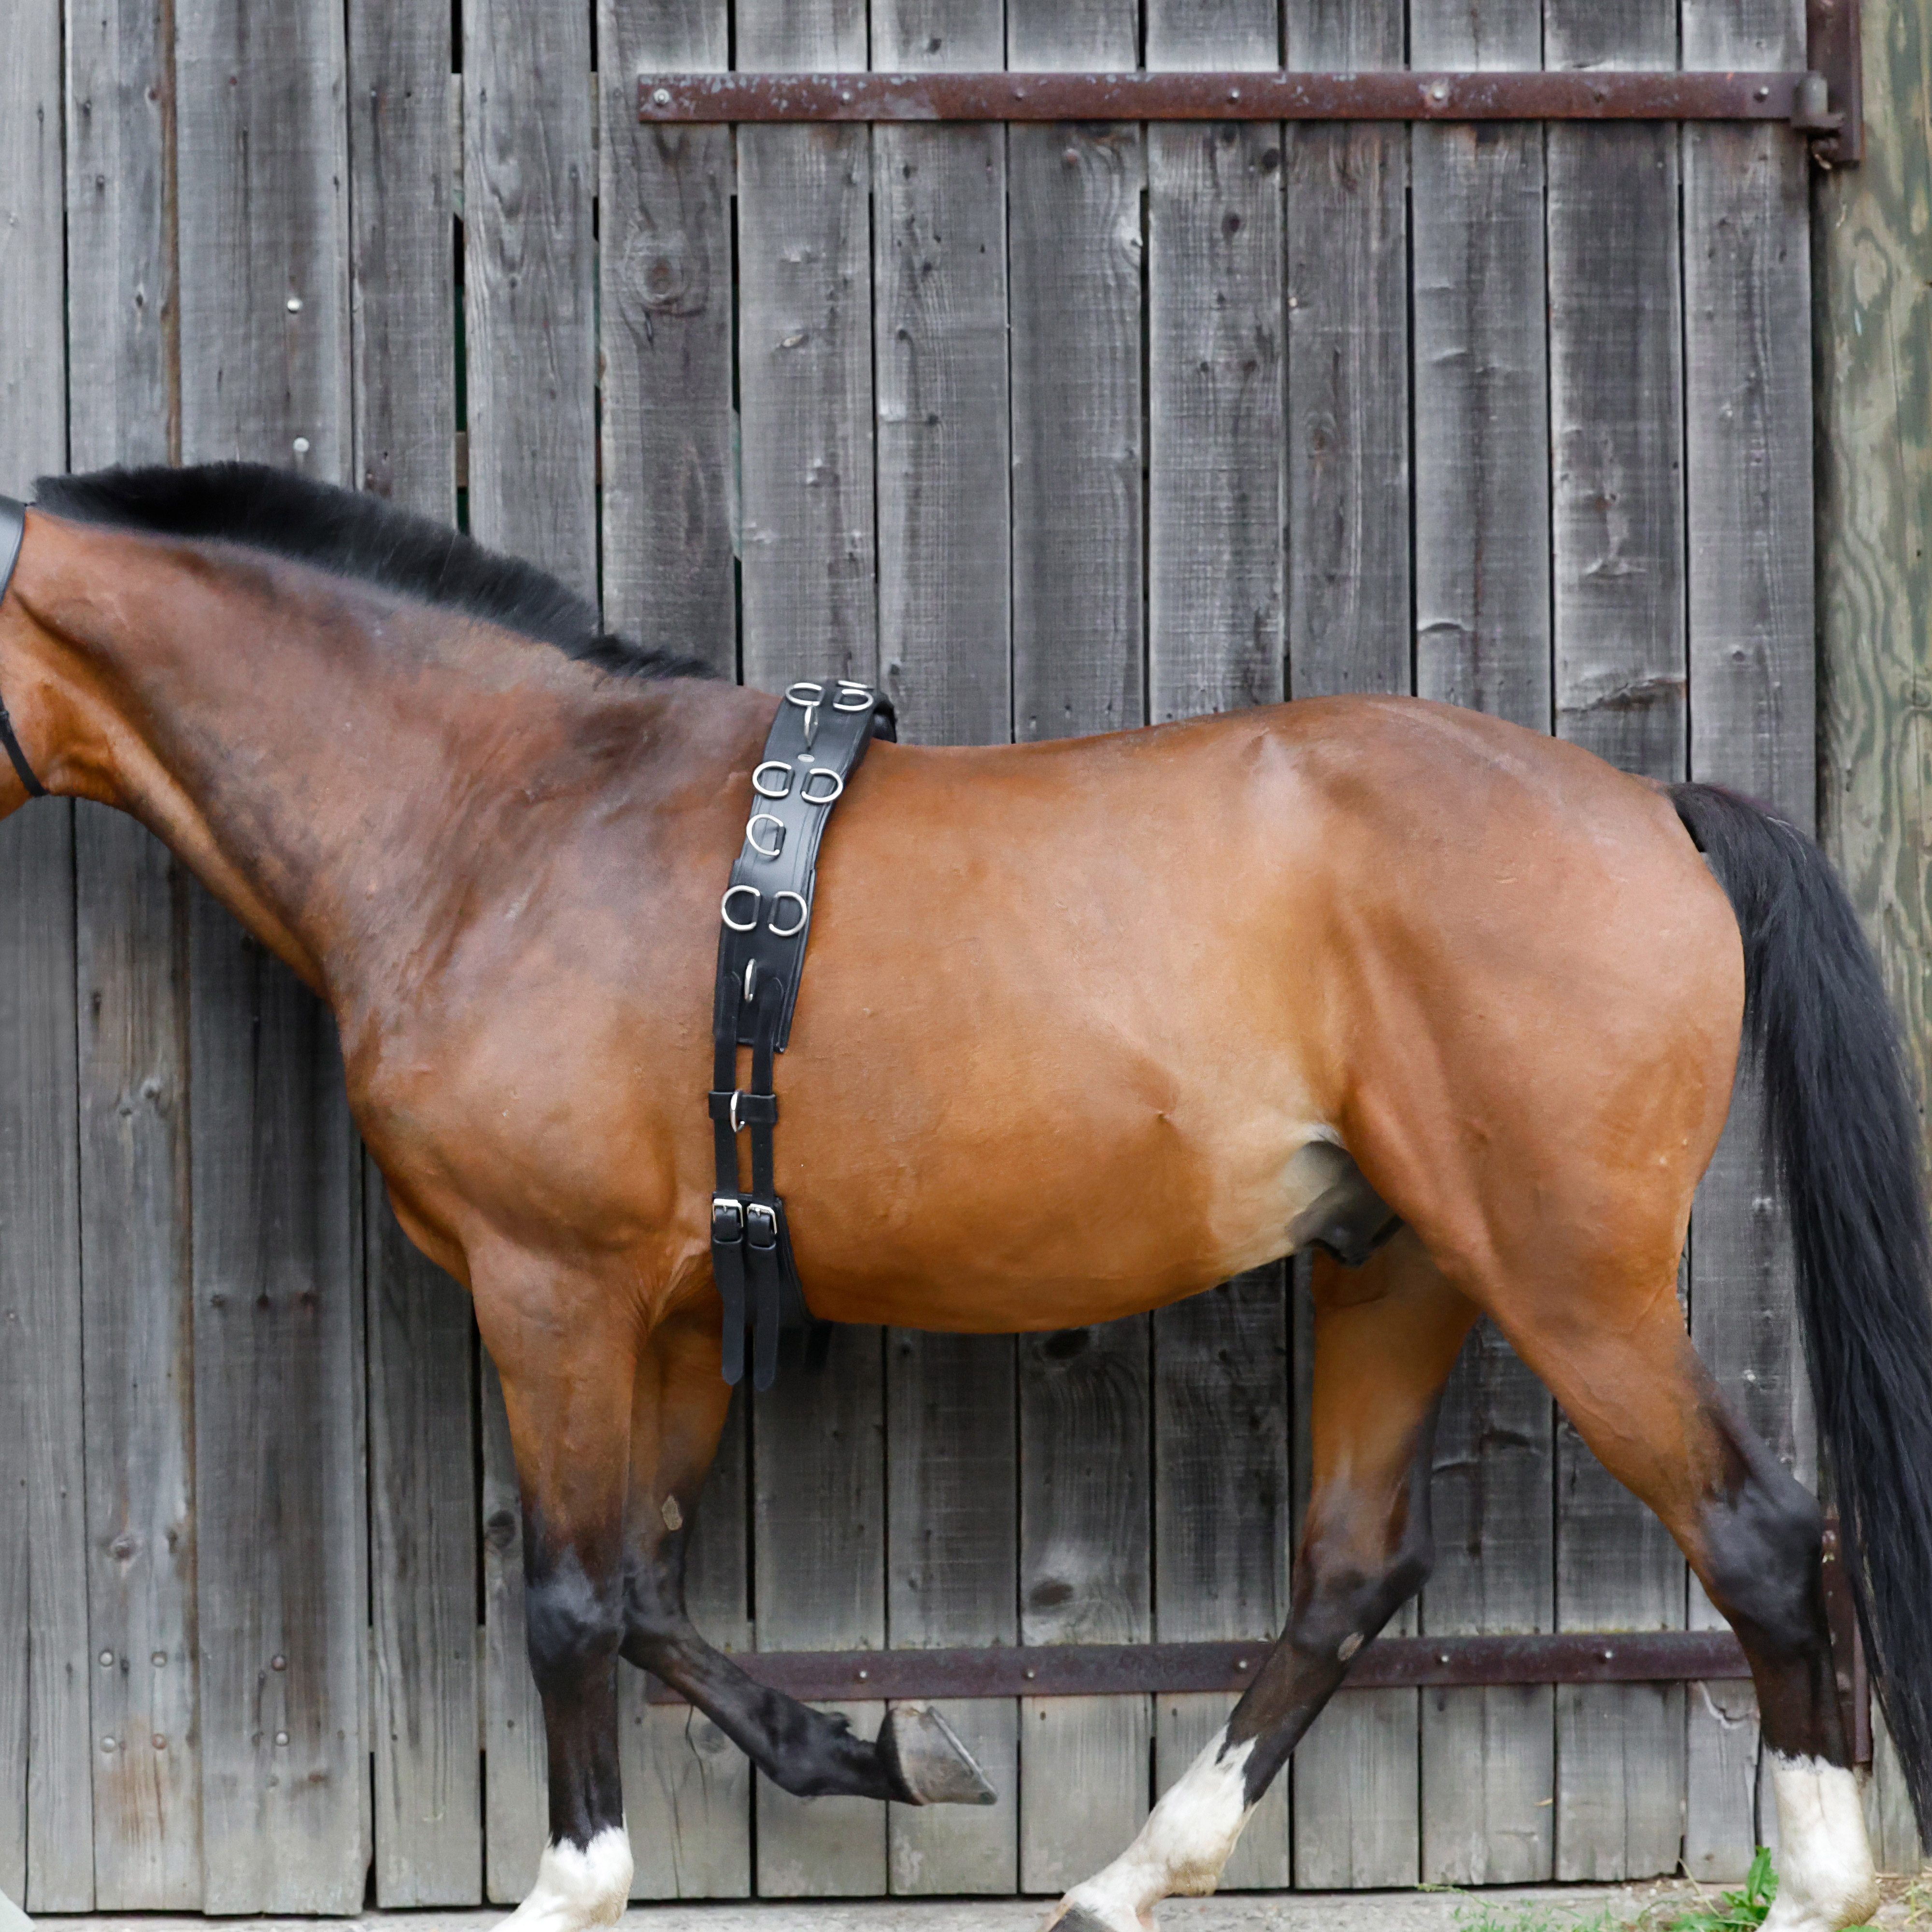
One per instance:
[(1046, 428)]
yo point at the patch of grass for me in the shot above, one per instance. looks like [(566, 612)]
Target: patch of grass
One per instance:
[(1481, 1915), (1739, 1911)]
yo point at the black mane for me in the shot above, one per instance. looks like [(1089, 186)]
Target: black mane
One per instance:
[(353, 534)]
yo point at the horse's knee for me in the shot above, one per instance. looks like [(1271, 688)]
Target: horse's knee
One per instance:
[(575, 1621), (1763, 1550), (1341, 1601)]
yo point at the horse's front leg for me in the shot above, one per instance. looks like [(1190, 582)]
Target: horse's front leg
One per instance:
[(681, 1402), (565, 1348)]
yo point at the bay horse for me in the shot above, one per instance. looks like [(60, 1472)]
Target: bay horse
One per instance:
[(1087, 1026)]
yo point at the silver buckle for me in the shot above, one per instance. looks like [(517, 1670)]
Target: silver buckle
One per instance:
[(724, 1208), (765, 1220)]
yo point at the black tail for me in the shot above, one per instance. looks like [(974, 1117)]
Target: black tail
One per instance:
[(1845, 1135)]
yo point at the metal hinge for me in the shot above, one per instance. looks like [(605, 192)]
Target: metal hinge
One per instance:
[(1822, 103)]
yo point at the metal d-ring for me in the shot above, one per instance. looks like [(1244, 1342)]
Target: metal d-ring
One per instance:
[(763, 790), (757, 903), (811, 797), (850, 697), (792, 932), (751, 979), (777, 845), (811, 684), (737, 1125)]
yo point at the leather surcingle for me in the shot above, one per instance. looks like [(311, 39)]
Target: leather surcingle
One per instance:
[(822, 730)]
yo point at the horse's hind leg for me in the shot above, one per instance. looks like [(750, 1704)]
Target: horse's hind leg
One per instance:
[(1386, 1337), (680, 1406), (1644, 1402)]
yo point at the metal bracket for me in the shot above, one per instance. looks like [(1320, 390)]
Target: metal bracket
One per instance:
[(1830, 106), (1821, 103)]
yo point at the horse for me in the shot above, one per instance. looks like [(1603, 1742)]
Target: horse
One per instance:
[(1087, 1026)]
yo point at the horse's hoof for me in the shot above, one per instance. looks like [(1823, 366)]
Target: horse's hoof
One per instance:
[(1080, 1920), (927, 1763)]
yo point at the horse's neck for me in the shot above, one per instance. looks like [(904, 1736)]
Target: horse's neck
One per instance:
[(299, 743)]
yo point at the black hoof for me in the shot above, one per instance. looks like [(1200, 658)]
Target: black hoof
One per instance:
[(1080, 1921), (929, 1764)]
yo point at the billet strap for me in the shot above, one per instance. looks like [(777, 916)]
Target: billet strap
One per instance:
[(822, 732), (13, 529)]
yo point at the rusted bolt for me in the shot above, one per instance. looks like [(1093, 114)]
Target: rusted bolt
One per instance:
[(159, 1742), (278, 1664), (661, 95)]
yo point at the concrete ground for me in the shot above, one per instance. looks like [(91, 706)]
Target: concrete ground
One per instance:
[(1526, 1908)]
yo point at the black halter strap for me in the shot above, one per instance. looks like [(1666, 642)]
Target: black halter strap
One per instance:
[(822, 730), (12, 528)]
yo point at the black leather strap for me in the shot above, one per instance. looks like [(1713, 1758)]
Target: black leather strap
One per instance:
[(820, 734), (12, 528)]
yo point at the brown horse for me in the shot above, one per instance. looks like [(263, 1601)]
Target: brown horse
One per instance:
[(1087, 1027)]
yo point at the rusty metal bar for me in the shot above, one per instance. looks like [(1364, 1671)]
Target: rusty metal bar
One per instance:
[(1590, 96), (1100, 1670)]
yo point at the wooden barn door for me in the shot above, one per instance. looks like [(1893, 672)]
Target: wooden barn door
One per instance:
[(1051, 429)]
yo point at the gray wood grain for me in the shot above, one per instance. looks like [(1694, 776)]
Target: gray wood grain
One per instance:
[(665, 323), (1482, 639), (1086, 1561), (1616, 431), (804, 368), (1348, 629), (46, 1825), (529, 177), (819, 1515), (1753, 668), (131, 975), (422, 1405), (516, 1782), (281, 1540), (687, 1787), (1221, 1522)]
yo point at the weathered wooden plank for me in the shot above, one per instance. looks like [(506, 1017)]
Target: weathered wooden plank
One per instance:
[(952, 1578), (280, 1549), (1348, 620), (664, 229), (1482, 639), (47, 1825), (46, 1822), (1074, 251), (687, 1787), (139, 1309), (939, 295), (1873, 308), (1222, 1519), (804, 372), (939, 325), (1086, 1559), (1215, 372), (424, 1556), (818, 1515), (516, 1782), (1753, 668), (529, 176), (1616, 404), (422, 1408)]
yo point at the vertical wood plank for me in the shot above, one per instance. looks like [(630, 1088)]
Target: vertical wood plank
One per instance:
[(665, 319), (939, 284), (1482, 639), (529, 176), (46, 1825), (1616, 399), (1222, 1518), (282, 1589), (516, 1784), (804, 373), (1349, 620), (1753, 668), (1221, 1497), (939, 329), (1086, 1559), (421, 1394), (131, 969), (819, 1513), (687, 1787), (1075, 250), (130, 910), (1872, 308), (528, 173)]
